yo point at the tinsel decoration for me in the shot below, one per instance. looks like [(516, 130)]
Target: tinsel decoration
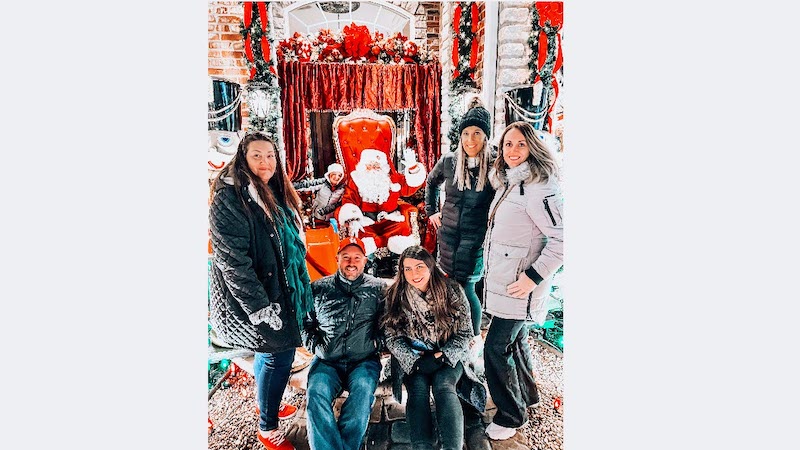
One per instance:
[(465, 46), (263, 92)]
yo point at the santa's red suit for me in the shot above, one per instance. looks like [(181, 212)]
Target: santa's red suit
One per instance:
[(370, 202)]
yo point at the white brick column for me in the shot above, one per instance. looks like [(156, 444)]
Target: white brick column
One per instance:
[(513, 55)]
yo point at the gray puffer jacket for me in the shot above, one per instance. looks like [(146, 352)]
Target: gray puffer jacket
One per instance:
[(327, 200), (525, 235), (347, 314)]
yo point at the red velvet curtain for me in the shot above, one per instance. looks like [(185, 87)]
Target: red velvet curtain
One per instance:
[(344, 87)]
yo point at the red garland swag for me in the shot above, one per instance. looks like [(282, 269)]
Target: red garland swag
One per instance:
[(354, 44)]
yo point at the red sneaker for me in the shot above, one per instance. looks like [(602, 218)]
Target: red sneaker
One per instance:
[(277, 441), (286, 411)]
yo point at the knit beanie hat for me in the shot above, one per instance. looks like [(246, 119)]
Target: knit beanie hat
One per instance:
[(477, 116)]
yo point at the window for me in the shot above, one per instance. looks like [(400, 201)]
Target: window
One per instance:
[(308, 17)]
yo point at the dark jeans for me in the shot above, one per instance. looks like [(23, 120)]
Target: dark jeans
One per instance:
[(271, 373), (449, 416), (509, 371), (474, 306), (326, 380)]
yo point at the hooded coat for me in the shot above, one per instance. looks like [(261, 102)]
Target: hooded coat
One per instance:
[(248, 275), (525, 235)]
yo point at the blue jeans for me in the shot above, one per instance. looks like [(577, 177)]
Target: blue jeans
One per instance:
[(449, 415), (326, 380), (271, 372)]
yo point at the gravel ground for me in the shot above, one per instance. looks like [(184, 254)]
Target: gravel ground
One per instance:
[(232, 410)]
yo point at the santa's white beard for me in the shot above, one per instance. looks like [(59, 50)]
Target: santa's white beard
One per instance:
[(373, 186)]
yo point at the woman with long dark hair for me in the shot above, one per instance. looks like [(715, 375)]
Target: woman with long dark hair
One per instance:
[(260, 288), (427, 329)]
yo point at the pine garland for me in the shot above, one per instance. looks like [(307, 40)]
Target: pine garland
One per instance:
[(456, 112), (262, 70), (533, 43), (546, 72), (463, 73), (465, 55)]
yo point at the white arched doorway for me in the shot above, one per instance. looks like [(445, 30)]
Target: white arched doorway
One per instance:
[(308, 17)]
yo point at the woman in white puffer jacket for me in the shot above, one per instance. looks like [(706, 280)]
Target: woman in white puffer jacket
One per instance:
[(522, 251)]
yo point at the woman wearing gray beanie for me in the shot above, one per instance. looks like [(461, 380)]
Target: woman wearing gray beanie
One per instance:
[(461, 221)]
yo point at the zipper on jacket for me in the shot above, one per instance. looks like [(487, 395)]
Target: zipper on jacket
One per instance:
[(549, 212), (528, 308)]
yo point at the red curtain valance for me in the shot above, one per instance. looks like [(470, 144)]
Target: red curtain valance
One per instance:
[(337, 86)]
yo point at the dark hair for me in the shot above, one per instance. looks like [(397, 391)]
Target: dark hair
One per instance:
[(440, 289), (279, 188)]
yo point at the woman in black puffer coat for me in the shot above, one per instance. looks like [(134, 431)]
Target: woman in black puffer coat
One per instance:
[(260, 288), (461, 222)]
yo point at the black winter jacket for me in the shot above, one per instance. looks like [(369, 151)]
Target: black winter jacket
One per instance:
[(464, 217), (348, 314), (247, 275)]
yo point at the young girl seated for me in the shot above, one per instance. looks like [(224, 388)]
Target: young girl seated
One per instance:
[(427, 328)]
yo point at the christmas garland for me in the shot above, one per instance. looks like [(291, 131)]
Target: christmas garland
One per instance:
[(263, 86), (465, 46), (465, 59), (545, 45), (455, 110), (257, 44), (354, 44)]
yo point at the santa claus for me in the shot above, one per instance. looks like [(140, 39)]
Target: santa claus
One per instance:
[(370, 207)]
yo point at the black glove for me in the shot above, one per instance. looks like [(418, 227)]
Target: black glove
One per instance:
[(315, 335), (427, 363)]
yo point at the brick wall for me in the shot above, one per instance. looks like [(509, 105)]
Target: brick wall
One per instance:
[(225, 46), (432, 14), (480, 35)]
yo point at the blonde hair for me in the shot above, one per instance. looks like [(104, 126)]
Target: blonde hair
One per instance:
[(542, 163), (462, 173)]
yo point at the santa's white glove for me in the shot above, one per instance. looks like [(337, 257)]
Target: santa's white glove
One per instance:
[(394, 216), (409, 158), (354, 227), (353, 219), (414, 172)]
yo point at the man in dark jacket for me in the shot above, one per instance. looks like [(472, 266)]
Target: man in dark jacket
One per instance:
[(342, 332)]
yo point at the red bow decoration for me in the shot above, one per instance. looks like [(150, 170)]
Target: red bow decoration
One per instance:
[(357, 40)]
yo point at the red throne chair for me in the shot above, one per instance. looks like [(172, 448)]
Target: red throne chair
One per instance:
[(362, 129)]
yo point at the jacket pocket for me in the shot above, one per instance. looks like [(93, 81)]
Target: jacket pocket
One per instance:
[(553, 208), (505, 262)]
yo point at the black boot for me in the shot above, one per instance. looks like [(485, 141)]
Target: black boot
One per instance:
[(474, 430)]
